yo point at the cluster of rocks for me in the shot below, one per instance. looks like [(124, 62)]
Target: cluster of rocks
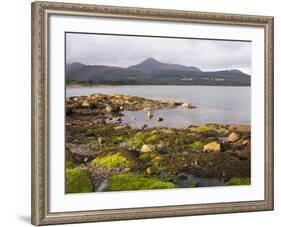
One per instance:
[(188, 106), (149, 115), (109, 108), (232, 138), (215, 146), (111, 103)]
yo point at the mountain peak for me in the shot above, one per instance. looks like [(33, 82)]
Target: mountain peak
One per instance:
[(151, 64), (150, 60)]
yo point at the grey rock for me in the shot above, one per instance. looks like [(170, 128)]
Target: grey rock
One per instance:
[(159, 119)]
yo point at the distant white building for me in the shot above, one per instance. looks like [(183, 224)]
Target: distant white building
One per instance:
[(187, 79), (219, 79)]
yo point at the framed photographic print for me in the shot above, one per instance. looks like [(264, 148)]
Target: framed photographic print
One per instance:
[(146, 113)]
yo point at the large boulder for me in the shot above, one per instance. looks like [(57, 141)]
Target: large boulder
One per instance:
[(146, 148), (233, 137), (79, 153), (212, 147)]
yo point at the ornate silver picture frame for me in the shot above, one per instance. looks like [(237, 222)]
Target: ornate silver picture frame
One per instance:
[(41, 68)]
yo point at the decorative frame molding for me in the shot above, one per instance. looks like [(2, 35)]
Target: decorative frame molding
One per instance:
[(40, 100)]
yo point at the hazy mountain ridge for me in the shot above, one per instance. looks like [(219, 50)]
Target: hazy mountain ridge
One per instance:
[(150, 65), (153, 72)]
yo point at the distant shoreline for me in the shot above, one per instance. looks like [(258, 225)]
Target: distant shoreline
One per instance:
[(114, 85)]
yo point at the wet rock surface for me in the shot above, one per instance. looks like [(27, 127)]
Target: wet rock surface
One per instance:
[(100, 145)]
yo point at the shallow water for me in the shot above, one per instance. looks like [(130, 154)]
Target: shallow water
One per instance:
[(214, 104)]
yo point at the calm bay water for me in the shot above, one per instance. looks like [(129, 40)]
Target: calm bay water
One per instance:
[(215, 104)]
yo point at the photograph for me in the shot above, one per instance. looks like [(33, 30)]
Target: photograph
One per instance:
[(156, 112)]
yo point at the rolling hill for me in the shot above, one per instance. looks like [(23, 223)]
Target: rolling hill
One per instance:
[(153, 72)]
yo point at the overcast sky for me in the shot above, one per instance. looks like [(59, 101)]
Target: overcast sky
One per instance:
[(124, 51)]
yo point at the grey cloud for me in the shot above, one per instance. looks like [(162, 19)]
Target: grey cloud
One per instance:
[(127, 50)]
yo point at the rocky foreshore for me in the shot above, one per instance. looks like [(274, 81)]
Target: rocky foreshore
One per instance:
[(111, 156)]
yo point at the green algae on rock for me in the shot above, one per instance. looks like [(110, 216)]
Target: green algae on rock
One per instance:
[(238, 181), (69, 164), (197, 145), (127, 182), (78, 181), (152, 170), (112, 161)]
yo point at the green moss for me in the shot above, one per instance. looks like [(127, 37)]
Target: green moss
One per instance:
[(126, 182), (112, 161), (205, 128), (113, 142), (197, 145), (149, 170), (78, 182), (155, 161), (135, 142), (238, 181), (151, 139), (69, 164), (152, 170), (146, 157), (151, 159), (119, 138)]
